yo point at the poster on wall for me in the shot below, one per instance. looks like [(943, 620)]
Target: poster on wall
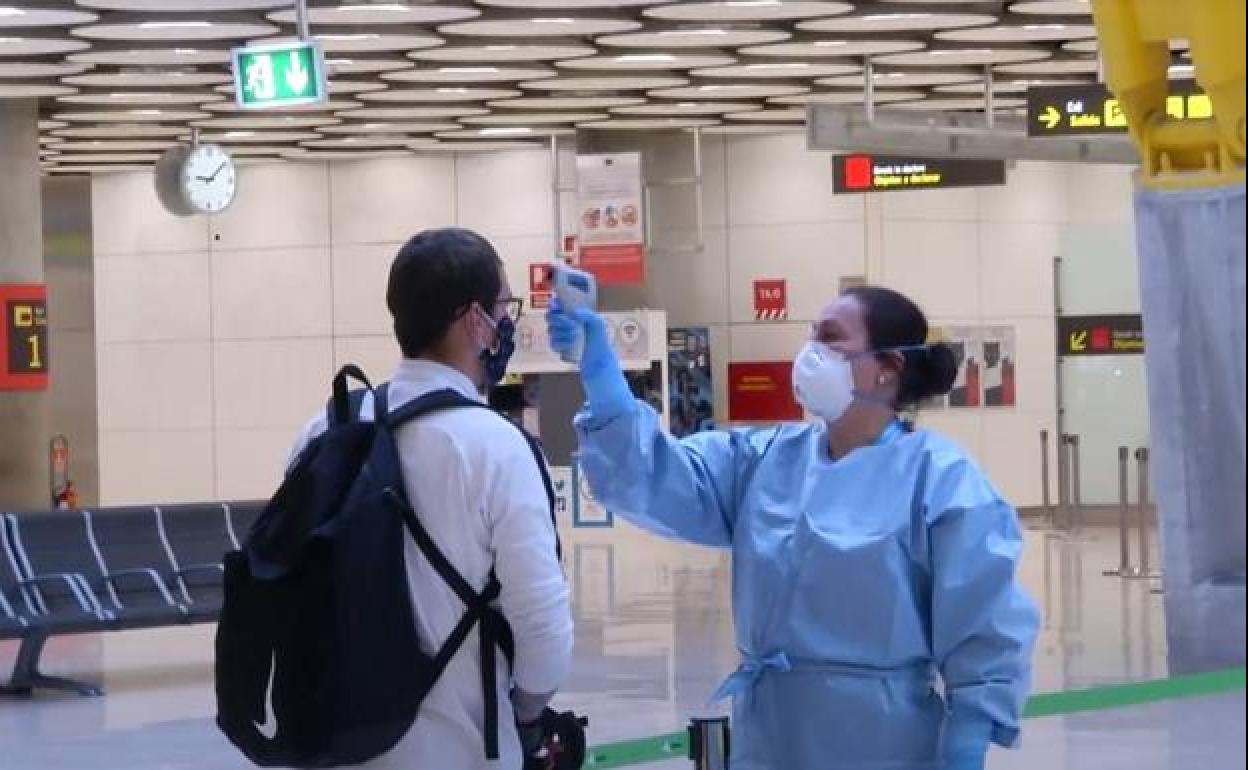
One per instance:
[(541, 285), (967, 392), (999, 366), (562, 480), (24, 343), (689, 375), (987, 360), (761, 391), (611, 233), (586, 510)]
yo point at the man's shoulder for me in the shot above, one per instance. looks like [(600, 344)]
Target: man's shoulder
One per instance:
[(479, 431)]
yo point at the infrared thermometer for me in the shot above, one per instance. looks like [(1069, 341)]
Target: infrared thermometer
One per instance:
[(574, 288)]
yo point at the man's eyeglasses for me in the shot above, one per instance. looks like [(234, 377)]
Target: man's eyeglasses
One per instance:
[(514, 308)]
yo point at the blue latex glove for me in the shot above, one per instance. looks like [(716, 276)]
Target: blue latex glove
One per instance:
[(605, 387), (966, 741)]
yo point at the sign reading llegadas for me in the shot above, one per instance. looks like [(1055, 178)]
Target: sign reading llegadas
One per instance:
[(1100, 335), (1092, 109), (24, 344), (865, 172)]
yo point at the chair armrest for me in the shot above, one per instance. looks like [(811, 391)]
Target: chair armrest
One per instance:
[(78, 586), (116, 577), (192, 569)]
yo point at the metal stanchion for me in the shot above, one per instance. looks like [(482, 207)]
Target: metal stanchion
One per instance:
[(709, 743), (1063, 483), (1141, 460), (1124, 511), (1076, 486), (1044, 477)]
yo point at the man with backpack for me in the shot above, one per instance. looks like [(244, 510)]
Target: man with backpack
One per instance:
[(489, 600)]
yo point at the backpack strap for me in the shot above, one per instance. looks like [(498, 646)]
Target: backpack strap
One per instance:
[(495, 630)]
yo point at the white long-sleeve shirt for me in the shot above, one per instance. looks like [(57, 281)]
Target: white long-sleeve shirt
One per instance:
[(473, 481)]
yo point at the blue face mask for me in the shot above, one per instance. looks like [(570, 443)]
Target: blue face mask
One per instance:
[(497, 358)]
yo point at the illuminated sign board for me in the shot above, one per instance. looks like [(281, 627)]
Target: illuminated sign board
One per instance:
[(24, 344), (1100, 335), (863, 172), (1092, 109)]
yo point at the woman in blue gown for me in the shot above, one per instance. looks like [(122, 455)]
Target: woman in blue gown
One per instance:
[(877, 612)]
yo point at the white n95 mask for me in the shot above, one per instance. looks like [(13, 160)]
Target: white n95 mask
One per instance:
[(823, 381)]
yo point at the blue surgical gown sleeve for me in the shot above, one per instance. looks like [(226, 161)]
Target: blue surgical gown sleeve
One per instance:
[(983, 625), (683, 489)]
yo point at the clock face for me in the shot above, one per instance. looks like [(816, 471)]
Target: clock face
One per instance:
[(208, 179)]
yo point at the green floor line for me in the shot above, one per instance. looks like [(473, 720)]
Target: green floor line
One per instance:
[(659, 748)]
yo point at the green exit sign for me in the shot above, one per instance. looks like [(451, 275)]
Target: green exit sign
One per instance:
[(279, 75)]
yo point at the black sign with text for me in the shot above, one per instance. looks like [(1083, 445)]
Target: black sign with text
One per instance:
[(1091, 109), (1100, 335), (865, 172)]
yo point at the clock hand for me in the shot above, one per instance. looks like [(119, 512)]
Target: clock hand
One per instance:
[(218, 171)]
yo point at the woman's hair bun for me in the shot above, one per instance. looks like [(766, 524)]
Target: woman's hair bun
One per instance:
[(939, 369)]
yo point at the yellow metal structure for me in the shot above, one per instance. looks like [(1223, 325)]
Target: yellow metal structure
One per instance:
[(1135, 40)]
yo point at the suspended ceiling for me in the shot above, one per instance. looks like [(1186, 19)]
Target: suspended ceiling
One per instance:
[(119, 80)]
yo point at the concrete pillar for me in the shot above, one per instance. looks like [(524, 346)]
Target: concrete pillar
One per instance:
[(23, 415)]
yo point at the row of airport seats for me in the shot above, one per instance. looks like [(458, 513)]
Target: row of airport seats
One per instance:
[(110, 569)]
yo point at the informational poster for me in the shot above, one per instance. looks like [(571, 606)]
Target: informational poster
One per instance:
[(24, 343), (761, 391), (586, 510), (987, 358), (629, 334), (541, 285), (610, 228), (999, 376), (562, 478), (689, 380), (967, 347), (771, 300)]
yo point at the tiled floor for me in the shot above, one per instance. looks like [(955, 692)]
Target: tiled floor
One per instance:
[(654, 637)]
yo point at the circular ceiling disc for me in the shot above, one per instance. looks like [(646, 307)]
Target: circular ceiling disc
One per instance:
[(735, 10)]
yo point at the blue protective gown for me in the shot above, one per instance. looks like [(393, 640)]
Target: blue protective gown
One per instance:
[(856, 583)]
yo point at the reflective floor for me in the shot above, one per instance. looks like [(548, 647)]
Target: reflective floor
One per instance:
[(654, 638)]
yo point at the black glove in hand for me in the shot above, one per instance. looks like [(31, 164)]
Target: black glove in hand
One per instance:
[(532, 736)]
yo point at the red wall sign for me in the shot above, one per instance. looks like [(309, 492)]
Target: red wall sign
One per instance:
[(24, 342), (771, 300), (540, 288), (761, 391)]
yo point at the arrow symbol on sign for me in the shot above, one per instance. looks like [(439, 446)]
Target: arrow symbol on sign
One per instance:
[(296, 76), (1079, 341), (1051, 117)]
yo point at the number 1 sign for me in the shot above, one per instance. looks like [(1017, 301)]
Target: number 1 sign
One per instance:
[(24, 344)]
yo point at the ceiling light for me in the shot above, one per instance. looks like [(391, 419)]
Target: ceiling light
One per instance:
[(645, 57), (349, 37), (505, 131), (897, 16), (9, 11), (469, 70), (174, 24)]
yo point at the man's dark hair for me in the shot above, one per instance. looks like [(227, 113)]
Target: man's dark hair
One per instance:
[(435, 278)]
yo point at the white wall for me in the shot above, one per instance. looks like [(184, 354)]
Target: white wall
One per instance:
[(217, 336)]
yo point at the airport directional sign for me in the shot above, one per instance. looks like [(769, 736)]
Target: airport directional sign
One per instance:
[(1092, 109), (279, 75)]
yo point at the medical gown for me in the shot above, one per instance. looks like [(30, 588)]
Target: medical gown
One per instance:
[(873, 596)]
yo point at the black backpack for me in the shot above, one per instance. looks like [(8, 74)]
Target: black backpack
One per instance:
[(318, 618)]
